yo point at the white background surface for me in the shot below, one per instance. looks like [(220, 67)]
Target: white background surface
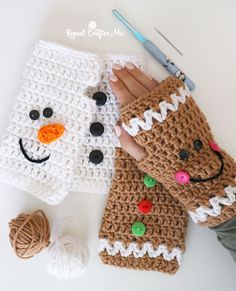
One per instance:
[(205, 32)]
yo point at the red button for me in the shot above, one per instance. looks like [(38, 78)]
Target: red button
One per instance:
[(145, 206)]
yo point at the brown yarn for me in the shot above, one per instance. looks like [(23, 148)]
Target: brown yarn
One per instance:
[(164, 142), (29, 234), (166, 223)]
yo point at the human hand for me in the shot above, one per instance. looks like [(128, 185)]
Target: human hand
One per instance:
[(129, 83)]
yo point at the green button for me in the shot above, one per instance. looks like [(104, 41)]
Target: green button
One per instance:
[(138, 228), (149, 181)]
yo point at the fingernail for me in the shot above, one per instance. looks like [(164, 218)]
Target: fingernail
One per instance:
[(149, 76), (113, 78), (129, 66), (116, 67), (117, 130)]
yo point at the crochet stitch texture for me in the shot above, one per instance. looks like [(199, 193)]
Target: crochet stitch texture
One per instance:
[(162, 245), (97, 178), (45, 149), (181, 152)]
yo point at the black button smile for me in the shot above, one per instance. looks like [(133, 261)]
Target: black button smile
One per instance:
[(219, 155), (38, 161)]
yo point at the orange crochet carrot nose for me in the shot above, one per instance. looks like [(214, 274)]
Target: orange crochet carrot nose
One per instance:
[(50, 133)]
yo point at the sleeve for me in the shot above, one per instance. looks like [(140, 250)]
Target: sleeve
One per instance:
[(181, 151)]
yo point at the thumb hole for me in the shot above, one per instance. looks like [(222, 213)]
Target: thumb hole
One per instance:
[(129, 145)]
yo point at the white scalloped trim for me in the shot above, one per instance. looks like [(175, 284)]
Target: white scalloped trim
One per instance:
[(202, 213), (133, 249), (136, 124)]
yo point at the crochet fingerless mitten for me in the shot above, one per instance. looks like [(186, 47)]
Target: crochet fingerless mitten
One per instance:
[(49, 120), (60, 137), (181, 152), (143, 226), (96, 177)]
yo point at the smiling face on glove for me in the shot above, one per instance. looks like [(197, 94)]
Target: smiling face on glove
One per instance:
[(188, 154), (42, 127), (38, 150), (46, 134), (183, 177)]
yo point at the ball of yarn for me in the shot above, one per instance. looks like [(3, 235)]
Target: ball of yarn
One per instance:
[(67, 258), (29, 234)]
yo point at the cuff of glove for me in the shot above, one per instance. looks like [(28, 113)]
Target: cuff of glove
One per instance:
[(142, 112)]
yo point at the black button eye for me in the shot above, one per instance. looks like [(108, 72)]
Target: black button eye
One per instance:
[(184, 155), (197, 144), (47, 112), (34, 114)]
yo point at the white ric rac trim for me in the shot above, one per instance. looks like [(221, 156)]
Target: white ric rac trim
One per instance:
[(133, 249), (136, 124), (202, 213)]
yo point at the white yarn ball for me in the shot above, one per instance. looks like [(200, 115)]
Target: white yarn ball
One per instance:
[(67, 258)]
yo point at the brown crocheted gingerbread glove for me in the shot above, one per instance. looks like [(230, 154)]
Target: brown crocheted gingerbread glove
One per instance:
[(143, 226), (181, 152)]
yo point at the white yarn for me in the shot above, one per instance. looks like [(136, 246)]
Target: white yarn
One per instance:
[(54, 77), (147, 249), (67, 258), (202, 213), (65, 80), (90, 178), (136, 124)]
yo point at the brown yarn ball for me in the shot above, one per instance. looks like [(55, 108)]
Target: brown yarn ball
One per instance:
[(29, 234)]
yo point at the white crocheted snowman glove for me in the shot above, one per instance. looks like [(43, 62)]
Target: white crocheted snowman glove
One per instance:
[(96, 176), (49, 120)]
